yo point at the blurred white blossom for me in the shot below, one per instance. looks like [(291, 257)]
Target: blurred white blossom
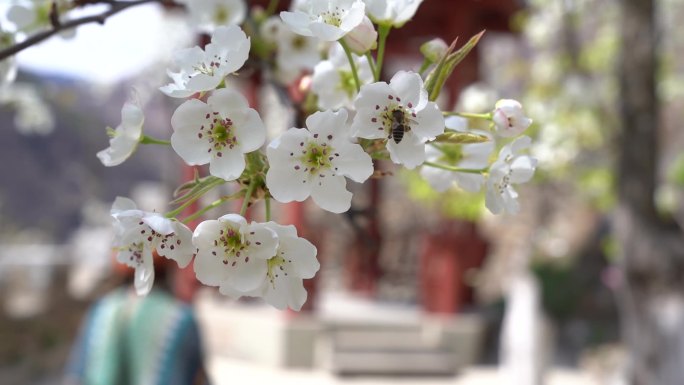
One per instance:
[(328, 20)]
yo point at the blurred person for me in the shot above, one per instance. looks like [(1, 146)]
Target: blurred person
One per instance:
[(126, 339)]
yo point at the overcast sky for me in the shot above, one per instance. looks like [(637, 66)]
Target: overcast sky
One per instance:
[(128, 42)]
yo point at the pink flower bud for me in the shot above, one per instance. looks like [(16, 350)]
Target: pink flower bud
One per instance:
[(362, 38), (509, 118)]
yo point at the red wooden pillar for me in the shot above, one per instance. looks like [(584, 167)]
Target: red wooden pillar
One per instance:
[(447, 258), (363, 259)]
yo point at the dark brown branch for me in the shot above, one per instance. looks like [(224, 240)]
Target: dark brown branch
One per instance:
[(116, 7)]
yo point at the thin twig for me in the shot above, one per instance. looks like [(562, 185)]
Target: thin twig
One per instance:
[(116, 7)]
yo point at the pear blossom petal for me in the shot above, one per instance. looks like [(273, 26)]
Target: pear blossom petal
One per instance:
[(247, 276), (410, 151), (356, 164), (228, 166), (392, 12), (430, 122), (21, 16), (209, 14), (177, 245), (184, 139), (409, 87), (263, 241), (328, 20), (158, 223), (302, 254), (327, 123), (325, 31), (289, 293), (493, 201), (522, 169), (332, 80), (469, 182), (208, 268), (251, 133), (284, 187), (298, 22), (122, 204), (330, 193), (125, 137), (144, 274)]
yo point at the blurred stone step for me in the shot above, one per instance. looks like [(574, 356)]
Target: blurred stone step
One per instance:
[(394, 363), (385, 340)]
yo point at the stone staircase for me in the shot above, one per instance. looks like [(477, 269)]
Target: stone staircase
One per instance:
[(430, 347)]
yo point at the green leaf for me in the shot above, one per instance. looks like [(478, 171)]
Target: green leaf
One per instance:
[(431, 79), (438, 77), (193, 189), (461, 138)]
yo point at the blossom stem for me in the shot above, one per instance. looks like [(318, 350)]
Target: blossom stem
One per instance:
[(208, 207), (371, 62), (150, 140), (486, 116), (424, 66), (383, 31), (198, 195), (352, 64), (455, 169), (248, 197), (272, 7), (267, 201)]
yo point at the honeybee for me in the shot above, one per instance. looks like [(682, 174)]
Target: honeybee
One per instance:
[(400, 125)]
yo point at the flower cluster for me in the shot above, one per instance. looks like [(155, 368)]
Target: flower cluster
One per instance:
[(330, 43)]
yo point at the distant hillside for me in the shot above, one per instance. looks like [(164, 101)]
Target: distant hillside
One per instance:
[(46, 179)]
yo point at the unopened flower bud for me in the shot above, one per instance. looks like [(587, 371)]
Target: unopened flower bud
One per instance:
[(509, 118), (362, 38), (434, 49)]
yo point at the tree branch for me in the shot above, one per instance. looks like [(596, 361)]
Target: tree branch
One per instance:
[(116, 7)]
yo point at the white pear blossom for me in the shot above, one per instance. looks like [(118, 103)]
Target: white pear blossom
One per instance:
[(392, 12), (509, 118), (510, 167), (33, 116), (382, 110), (210, 14), (328, 20), (31, 16), (476, 98), (333, 82), (293, 261), (125, 138), (139, 233), (294, 53), (362, 38), (232, 254), (473, 156), (218, 132), (314, 162), (203, 70)]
